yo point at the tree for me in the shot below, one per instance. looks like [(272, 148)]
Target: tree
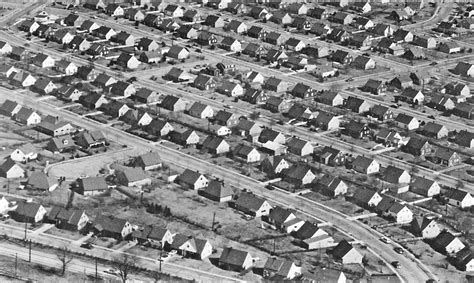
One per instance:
[(65, 257), (125, 264)]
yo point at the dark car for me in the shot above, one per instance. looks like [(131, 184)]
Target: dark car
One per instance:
[(396, 264), (433, 63), (86, 246), (399, 250)]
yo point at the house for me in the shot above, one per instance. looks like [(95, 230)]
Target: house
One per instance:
[(115, 108), (91, 139), (414, 53), (425, 187), (441, 102), (342, 18), (326, 121), (191, 247), (357, 130), (459, 198), (10, 170), (204, 82), (401, 35), (29, 212), (464, 110), (43, 61), (150, 57), (401, 82), (331, 156), (279, 216), (276, 56), (216, 191), (338, 35), (191, 15), (246, 153), (124, 39), (341, 57), (361, 7), (24, 153), (316, 51), (330, 185), (383, 30), (154, 235), (300, 147), (277, 105), (145, 95), (300, 112), (465, 138), (396, 175), (10, 108), (61, 36), (401, 213), (447, 157), (70, 219), (247, 128), (132, 177), (299, 174), (147, 44), (214, 21), (257, 32), (446, 242), (89, 26), (18, 53), (357, 105), (274, 165), (224, 118), (174, 11), (201, 111), (231, 89), (456, 89), (375, 87), (303, 91), (27, 116), (6, 70), (319, 12), (152, 20), (148, 161), (253, 205), (346, 253), (173, 103), (435, 130), (258, 12), (275, 38), (407, 122), (44, 86), (301, 23), (297, 8), (185, 137), (367, 198), (363, 23), (111, 226), (230, 44), (91, 186), (364, 63), (425, 42), (86, 73), (309, 231), (114, 10), (362, 41), (418, 146), (134, 15), (97, 49), (331, 98), (93, 100), (253, 50), (281, 269), (159, 128), (178, 52), (295, 44), (235, 260), (206, 38), (215, 145), (425, 227), (255, 96), (449, 47), (236, 8), (61, 144), (128, 61), (192, 180), (465, 259), (66, 67), (365, 165), (236, 26), (104, 32), (381, 113), (187, 32), (281, 17), (28, 25), (56, 128)]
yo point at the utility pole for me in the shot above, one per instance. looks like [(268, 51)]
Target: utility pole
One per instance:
[(213, 221), (274, 245), (8, 186), (29, 255), (96, 276), (160, 260), (16, 263), (26, 224)]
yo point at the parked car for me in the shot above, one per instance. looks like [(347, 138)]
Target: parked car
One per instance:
[(385, 240), (396, 264), (399, 250)]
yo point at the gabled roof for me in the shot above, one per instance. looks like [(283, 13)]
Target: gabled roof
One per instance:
[(132, 174), (249, 201), (149, 158), (218, 190), (109, 223), (233, 256), (27, 209), (404, 118), (342, 249), (306, 231), (392, 174), (93, 183), (189, 176), (456, 194)]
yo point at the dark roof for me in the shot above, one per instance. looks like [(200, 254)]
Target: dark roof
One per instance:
[(306, 231), (109, 223), (456, 194), (249, 201), (341, 249), (149, 158), (279, 215), (233, 256), (93, 183), (218, 190), (27, 209), (189, 176)]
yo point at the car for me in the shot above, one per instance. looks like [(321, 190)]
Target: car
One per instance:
[(396, 264), (349, 80), (86, 246), (173, 252), (111, 271), (433, 63), (385, 240), (431, 117), (399, 250)]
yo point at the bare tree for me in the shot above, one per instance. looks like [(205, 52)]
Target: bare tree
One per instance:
[(125, 264), (65, 257)]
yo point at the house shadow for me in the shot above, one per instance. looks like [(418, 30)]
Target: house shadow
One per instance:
[(214, 261)]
